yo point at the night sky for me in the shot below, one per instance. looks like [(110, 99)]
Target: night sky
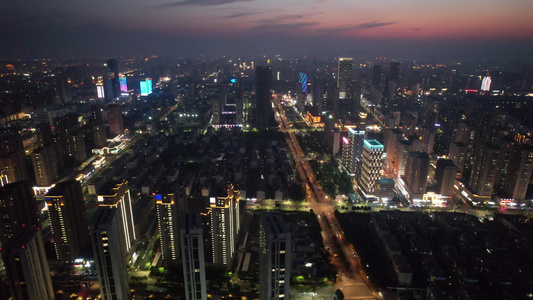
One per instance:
[(394, 28)]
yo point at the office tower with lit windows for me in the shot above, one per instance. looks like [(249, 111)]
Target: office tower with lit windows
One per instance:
[(275, 258), (416, 173), (353, 148), (114, 117), (344, 75), (68, 222), (168, 222), (519, 172), (108, 242), (117, 194), (18, 209), (263, 93), (225, 224), (445, 175), (113, 84), (192, 249), (44, 162), (371, 163), (26, 266)]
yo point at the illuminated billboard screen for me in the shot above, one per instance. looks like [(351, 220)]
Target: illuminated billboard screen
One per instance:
[(302, 79), (123, 84), (144, 88)]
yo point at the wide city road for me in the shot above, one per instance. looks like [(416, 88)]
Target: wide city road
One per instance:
[(350, 275)]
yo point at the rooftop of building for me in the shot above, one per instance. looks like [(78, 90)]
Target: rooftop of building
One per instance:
[(373, 144)]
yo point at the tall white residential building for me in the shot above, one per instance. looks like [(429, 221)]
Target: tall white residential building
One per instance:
[(370, 166), (352, 149)]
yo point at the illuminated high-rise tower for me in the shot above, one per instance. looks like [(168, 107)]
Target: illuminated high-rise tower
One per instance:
[(275, 257), (225, 225), (67, 216), (117, 194), (485, 83), (123, 83), (344, 75), (108, 247), (168, 223), (371, 164), (192, 245), (353, 148), (26, 266)]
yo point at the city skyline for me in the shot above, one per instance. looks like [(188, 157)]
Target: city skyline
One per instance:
[(409, 30)]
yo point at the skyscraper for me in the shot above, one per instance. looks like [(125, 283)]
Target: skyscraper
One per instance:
[(445, 175), (13, 166), (168, 222), (44, 134), (370, 166), (18, 209), (26, 266), (45, 165), (114, 117), (344, 75), (487, 164), (108, 243), (123, 82), (98, 127), (263, 93), (519, 172), (76, 148), (275, 258), (224, 226), (376, 77), (416, 173), (394, 71), (192, 245), (12, 155), (68, 222), (353, 148), (113, 84), (117, 194)]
